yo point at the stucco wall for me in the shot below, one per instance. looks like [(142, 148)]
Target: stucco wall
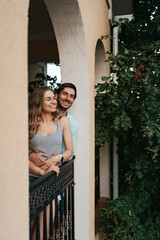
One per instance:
[(96, 23), (78, 25), (13, 120), (77, 37)]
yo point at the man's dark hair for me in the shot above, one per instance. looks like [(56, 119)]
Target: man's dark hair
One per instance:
[(69, 85)]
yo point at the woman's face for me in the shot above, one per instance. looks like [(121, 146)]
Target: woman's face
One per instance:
[(49, 102)]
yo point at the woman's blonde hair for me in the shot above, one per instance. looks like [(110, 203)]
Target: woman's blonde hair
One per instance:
[(35, 109)]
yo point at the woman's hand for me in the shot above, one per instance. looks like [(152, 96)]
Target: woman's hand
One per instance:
[(53, 160), (53, 169), (56, 169)]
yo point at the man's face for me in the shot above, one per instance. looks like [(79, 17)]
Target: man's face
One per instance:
[(66, 97)]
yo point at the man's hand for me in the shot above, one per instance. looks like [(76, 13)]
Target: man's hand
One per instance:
[(37, 159)]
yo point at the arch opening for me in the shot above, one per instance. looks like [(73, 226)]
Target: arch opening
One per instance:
[(72, 55), (102, 154), (42, 43)]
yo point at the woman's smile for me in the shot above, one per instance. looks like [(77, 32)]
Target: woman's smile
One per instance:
[(49, 102)]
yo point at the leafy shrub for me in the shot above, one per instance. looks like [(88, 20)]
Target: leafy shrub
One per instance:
[(121, 219), (42, 80), (130, 110)]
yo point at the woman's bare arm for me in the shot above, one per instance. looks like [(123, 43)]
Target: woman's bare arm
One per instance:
[(39, 171), (66, 128), (34, 169)]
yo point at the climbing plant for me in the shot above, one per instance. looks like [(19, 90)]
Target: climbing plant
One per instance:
[(130, 110), (42, 80)]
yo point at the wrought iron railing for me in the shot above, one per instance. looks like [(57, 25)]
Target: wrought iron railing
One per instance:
[(48, 193)]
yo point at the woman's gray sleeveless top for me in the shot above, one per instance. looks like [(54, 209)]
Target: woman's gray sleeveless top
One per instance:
[(49, 144)]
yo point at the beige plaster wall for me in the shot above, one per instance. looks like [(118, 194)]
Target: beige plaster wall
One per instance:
[(79, 67), (13, 120), (96, 23), (74, 68), (77, 34)]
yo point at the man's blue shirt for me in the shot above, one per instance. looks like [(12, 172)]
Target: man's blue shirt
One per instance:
[(74, 132)]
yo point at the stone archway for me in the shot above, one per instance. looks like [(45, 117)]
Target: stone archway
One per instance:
[(100, 66), (104, 162), (68, 28), (67, 22)]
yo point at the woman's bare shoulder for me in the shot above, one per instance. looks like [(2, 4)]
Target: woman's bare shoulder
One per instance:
[(64, 120)]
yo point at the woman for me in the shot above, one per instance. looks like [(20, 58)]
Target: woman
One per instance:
[(46, 131)]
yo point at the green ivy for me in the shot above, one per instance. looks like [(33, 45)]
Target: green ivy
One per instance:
[(42, 80), (122, 220), (130, 110)]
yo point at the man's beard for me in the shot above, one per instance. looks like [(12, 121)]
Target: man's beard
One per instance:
[(62, 109)]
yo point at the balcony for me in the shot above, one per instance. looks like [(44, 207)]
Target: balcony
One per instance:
[(51, 201)]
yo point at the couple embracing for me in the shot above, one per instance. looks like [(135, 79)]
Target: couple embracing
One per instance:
[(52, 131)]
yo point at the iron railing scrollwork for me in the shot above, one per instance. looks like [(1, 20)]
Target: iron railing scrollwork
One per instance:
[(49, 193)]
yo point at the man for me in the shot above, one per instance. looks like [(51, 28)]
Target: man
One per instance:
[(66, 94)]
